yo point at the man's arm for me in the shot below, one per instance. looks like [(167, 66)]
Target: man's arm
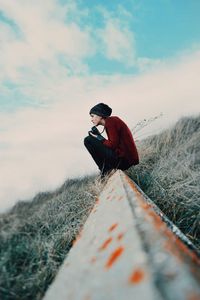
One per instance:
[(113, 136)]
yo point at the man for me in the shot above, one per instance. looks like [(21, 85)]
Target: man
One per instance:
[(119, 150)]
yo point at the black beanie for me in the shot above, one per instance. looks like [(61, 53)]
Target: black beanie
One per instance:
[(101, 109)]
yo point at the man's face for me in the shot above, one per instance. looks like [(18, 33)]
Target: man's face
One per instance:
[(95, 119)]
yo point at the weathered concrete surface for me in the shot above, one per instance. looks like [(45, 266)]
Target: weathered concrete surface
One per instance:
[(126, 251)]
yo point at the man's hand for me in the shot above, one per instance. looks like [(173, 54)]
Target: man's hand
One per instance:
[(90, 133), (97, 136)]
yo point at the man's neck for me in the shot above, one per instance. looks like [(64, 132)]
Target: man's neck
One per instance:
[(102, 122)]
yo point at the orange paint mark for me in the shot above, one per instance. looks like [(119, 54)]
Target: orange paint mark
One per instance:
[(137, 276), (93, 209), (114, 256), (174, 245), (97, 201), (177, 248), (112, 227), (93, 259), (78, 237), (105, 244), (193, 296), (76, 240), (120, 236), (87, 297), (158, 223), (187, 251)]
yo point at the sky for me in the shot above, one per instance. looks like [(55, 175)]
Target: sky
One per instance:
[(59, 58)]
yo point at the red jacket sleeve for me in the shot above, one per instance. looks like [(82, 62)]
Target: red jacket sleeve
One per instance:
[(113, 136)]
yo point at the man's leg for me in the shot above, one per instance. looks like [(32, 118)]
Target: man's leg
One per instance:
[(105, 158), (92, 147)]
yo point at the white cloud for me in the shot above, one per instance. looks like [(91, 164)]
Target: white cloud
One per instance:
[(43, 147), (118, 43), (44, 35), (44, 32), (145, 63)]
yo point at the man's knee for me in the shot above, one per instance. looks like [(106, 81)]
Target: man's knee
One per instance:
[(87, 140)]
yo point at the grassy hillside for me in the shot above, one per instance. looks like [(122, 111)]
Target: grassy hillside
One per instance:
[(36, 236), (169, 173)]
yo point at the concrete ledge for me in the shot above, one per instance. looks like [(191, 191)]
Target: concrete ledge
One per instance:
[(127, 250)]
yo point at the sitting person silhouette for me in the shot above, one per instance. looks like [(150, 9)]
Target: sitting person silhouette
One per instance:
[(119, 150)]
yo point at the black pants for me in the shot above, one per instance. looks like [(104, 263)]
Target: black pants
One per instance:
[(105, 158)]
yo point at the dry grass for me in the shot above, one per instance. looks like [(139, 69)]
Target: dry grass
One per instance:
[(169, 173), (36, 236)]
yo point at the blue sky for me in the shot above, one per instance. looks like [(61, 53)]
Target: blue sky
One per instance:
[(59, 58), (123, 37), (161, 28)]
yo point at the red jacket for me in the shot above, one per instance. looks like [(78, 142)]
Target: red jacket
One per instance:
[(121, 140)]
